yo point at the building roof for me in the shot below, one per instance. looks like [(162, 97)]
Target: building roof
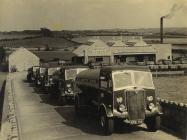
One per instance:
[(140, 43), (97, 43), (23, 50), (80, 50), (51, 55), (132, 40), (119, 43), (99, 48), (96, 48)]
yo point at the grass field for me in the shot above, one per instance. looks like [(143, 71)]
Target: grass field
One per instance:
[(52, 42), (172, 88)]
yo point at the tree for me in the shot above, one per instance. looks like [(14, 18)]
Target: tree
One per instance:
[(46, 32)]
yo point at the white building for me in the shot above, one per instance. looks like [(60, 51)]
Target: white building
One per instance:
[(137, 50), (22, 59)]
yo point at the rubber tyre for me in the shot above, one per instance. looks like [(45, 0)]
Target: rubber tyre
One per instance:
[(62, 100), (107, 124), (28, 78), (76, 106), (153, 123)]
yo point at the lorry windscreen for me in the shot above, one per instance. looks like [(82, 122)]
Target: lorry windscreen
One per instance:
[(143, 79), (42, 70), (124, 79), (70, 74), (51, 71), (35, 68)]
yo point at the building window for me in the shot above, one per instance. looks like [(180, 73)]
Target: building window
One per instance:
[(99, 59)]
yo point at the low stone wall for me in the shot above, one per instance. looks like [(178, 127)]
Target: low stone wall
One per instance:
[(174, 117), (9, 127)]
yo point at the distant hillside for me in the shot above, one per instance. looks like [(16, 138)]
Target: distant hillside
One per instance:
[(72, 33)]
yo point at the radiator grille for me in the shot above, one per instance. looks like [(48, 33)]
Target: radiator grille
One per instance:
[(136, 104)]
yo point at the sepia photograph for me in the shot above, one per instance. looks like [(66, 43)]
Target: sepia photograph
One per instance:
[(93, 70)]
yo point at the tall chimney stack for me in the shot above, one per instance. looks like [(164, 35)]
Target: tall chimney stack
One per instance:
[(161, 30)]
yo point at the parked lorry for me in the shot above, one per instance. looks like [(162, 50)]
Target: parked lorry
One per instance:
[(40, 75), (119, 93), (48, 77), (31, 73), (64, 82)]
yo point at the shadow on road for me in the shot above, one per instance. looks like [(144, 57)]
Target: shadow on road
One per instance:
[(88, 122), (2, 93)]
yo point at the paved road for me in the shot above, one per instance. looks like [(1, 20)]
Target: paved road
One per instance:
[(41, 119)]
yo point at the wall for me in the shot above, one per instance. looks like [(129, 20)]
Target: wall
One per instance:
[(163, 51), (174, 117), (22, 60)]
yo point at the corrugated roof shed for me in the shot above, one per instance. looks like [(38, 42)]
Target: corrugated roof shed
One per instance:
[(140, 43), (97, 43), (119, 43)]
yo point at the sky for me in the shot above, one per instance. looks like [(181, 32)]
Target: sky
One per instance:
[(89, 14)]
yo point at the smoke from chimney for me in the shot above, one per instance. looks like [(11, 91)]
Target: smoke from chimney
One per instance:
[(178, 5)]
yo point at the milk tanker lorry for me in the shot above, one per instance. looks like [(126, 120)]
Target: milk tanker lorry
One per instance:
[(119, 93)]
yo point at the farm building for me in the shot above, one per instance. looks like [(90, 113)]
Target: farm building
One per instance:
[(98, 51), (21, 60)]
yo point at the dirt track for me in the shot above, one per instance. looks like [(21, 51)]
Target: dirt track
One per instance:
[(41, 119)]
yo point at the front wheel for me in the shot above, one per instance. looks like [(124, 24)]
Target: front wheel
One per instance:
[(28, 78), (76, 106), (62, 100), (153, 123), (107, 124)]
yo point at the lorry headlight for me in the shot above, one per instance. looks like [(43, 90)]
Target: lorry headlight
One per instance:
[(122, 108), (119, 100), (150, 98), (69, 90), (151, 106), (68, 85)]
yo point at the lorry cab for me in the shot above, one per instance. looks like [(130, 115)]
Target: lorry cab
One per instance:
[(31, 75), (40, 73), (64, 82), (48, 77), (124, 93)]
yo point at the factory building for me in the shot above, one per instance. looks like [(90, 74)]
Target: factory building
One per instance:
[(118, 51), (95, 50)]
